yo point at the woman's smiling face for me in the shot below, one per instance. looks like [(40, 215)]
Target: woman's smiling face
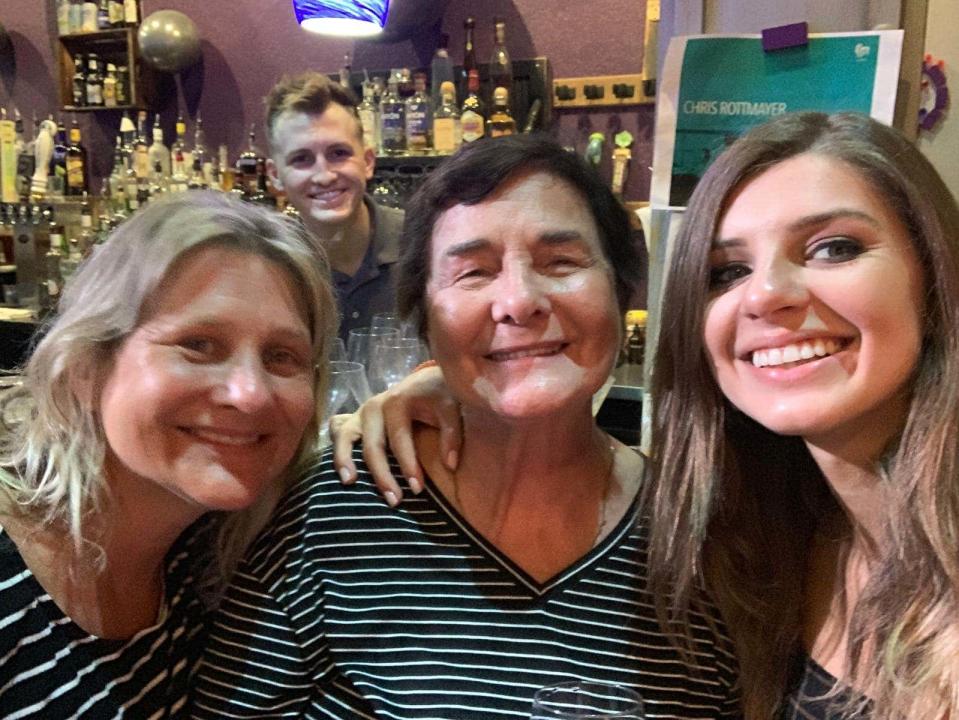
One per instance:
[(522, 312), (814, 322)]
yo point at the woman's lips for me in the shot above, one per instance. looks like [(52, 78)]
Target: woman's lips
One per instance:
[(796, 352), (524, 352)]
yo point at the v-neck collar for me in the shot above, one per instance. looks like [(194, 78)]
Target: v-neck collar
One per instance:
[(534, 587)]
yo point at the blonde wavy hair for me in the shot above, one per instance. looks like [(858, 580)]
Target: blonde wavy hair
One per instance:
[(53, 460), (736, 505)]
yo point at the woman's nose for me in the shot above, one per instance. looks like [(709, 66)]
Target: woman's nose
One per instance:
[(519, 295), (775, 285), (246, 385)]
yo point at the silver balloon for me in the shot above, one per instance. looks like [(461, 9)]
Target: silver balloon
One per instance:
[(169, 41)]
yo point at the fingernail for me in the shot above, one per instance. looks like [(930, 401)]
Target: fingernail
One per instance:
[(452, 459), (391, 498), (345, 475), (415, 485)]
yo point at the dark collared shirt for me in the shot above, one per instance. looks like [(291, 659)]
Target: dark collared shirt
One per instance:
[(373, 288)]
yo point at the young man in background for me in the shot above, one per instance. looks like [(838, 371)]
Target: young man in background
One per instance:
[(318, 159)]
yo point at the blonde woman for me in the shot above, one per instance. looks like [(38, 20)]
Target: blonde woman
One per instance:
[(166, 407)]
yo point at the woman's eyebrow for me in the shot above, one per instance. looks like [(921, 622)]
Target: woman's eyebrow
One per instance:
[(835, 214), (466, 247)]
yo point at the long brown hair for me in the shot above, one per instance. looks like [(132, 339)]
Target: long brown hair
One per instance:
[(736, 505)]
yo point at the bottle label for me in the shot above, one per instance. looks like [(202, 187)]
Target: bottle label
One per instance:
[(94, 94), (393, 129), (444, 135), (110, 93), (75, 173), (417, 126), (473, 126), (368, 121), (116, 12), (141, 162), (53, 289)]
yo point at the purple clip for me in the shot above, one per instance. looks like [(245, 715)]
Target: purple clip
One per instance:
[(785, 36)]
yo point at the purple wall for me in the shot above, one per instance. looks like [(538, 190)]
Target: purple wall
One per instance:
[(248, 44)]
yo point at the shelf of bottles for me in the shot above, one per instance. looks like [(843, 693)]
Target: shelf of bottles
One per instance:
[(402, 165), (98, 56)]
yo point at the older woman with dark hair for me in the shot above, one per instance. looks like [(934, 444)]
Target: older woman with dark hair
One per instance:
[(805, 421), (179, 377), (527, 565)]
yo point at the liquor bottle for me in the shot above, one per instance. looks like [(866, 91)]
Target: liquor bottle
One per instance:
[(103, 15), (57, 181), (128, 135), (123, 86), (131, 12), (86, 214), (246, 166), (52, 281), (261, 195), (447, 131), (500, 67), (180, 163), (116, 13), (158, 154), (76, 163), (441, 70), (392, 119), (79, 82), (501, 120), (473, 117), (63, 17), (418, 118), (110, 86), (469, 58), (94, 82), (141, 149), (202, 162), (159, 181), (117, 174), (76, 16), (369, 114), (8, 158), (89, 11), (25, 159), (345, 72)]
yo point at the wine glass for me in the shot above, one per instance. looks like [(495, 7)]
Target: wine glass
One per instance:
[(347, 390), (587, 700), (392, 359), (385, 320), (338, 350), (362, 339)]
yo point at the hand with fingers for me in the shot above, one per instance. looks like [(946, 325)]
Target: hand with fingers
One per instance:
[(385, 423)]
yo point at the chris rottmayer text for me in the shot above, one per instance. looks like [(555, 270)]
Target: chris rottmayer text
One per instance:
[(733, 107)]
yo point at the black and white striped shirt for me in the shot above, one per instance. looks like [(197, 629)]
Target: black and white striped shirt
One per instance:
[(348, 609), (50, 668)]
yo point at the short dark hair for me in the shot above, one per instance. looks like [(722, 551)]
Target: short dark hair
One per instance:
[(310, 92), (473, 174)]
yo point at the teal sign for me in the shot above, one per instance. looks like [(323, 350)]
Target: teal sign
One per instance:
[(728, 85)]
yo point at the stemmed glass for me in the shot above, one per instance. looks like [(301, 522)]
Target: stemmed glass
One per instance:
[(362, 340), (585, 700), (348, 389), (392, 359)]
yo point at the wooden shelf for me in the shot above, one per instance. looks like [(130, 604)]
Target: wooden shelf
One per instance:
[(117, 46)]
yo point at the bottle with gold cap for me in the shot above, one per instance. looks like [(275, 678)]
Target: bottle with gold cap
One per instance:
[(636, 336), (500, 120)]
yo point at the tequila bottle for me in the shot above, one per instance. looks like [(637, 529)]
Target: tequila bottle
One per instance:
[(500, 120), (392, 120), (447, 131), (418, 118)]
